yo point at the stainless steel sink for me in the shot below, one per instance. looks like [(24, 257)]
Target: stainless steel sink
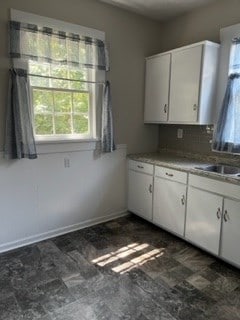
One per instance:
[(222, 169)]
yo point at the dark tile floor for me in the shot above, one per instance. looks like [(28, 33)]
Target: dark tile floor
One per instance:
[(123, 269)]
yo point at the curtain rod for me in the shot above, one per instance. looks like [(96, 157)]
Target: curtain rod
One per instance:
[(66, 79)]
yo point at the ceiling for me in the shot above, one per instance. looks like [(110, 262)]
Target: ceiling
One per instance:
[(159, 9)]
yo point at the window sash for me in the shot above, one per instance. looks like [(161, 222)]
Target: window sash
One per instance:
[(72, 135)]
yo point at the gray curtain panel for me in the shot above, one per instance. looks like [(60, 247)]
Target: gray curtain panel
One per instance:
[(227, 132), (19, 140), (107, 139)]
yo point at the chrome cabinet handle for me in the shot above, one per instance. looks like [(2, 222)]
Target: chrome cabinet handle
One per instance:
[(183, 200), (140, 167), (165, 108), (219, 213), (150, 188), (169, 174), (226, 216), (195, 107)]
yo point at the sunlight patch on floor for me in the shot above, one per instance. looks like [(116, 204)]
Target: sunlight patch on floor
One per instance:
[(127, 251)]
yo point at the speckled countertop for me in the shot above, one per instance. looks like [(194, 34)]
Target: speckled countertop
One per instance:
[(186, 162)]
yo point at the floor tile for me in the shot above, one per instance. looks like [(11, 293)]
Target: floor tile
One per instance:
[(221, 287), (9, 309), (198, 281), (175, 275), (83, 267), (54, 295), (194, 297), (194, 259)]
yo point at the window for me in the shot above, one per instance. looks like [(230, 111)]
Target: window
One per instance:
[(64, 62), (61, 108), (57, 85)]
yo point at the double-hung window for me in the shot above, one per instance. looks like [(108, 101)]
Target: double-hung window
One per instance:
[(66, 65), (62, 109)]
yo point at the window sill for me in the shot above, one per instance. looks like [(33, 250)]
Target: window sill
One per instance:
[(61, 141), (61, 146)]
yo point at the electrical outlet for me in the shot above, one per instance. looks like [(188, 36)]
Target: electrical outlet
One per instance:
[(66, 163), (180, 133)]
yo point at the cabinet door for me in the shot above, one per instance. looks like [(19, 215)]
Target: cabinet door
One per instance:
[(169, 205), (157, 88), (185, 85), (140, 194), (230, 248), (203, 220)]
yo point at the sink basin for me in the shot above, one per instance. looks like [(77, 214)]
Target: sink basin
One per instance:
[(222, 169)]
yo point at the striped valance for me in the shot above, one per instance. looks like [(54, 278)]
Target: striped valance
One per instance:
[(44, 44)]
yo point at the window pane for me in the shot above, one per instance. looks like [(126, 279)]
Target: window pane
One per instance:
[(63, 101), (42, 101), (63, 124), (80, 124), (73, 51), (58, 49), (80, 101), (43, 124), (39, 69), (29, 43), (83, 57), (59, 72), (78, 75)]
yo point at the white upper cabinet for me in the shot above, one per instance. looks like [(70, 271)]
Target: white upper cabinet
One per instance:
[(184, 80), (157, 88)]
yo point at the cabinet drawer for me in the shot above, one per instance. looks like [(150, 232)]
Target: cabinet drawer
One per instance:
[(171, 174), (140, 166), (223, 188)]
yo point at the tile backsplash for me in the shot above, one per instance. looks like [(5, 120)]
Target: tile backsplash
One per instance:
[(196, 139)]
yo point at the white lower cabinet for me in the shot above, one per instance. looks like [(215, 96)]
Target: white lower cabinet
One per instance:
[(140, 194), (169, 205), (204, 215), (203, 219), (230, 244)]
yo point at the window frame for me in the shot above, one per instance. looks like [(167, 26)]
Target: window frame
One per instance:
[(93, 75)]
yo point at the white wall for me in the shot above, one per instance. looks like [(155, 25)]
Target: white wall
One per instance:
[(201, 24), (42, 198)]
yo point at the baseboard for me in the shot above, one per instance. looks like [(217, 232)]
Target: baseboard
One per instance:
[(57, 232)]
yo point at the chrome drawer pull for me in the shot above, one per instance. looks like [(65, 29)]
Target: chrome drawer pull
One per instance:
[(150, 188), (226, 216), (165, 108), (140, 167), (169, 174), (219, 213), (183, 200)]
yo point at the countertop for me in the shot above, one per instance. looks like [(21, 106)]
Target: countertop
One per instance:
[(185, 162)]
